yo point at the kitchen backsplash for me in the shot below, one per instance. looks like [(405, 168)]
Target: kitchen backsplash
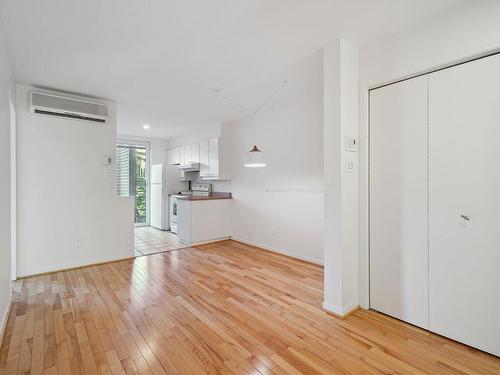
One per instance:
[(219, 186)]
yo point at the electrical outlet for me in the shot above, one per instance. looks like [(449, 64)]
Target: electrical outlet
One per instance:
[(77, 243), (349, 166), (273, 231)]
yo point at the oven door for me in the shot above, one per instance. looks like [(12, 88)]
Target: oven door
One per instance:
[(173, 210)]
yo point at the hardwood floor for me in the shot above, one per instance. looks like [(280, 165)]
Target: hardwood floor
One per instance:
[(223, 308)]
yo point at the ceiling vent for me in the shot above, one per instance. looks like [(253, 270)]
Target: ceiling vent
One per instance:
[(60, 106)]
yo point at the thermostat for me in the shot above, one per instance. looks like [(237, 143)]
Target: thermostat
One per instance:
[(106, 160)]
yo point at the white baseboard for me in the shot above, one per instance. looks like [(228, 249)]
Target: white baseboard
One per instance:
[(278, 251), (5, 318), (339, 311), (205, 242), (68, 267)]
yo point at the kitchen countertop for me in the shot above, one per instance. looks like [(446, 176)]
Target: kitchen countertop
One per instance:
[(212, 196)]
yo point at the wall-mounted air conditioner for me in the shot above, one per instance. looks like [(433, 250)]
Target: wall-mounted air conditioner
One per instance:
[(60, 106)]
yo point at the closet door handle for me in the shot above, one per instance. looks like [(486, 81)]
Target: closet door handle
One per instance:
[(465, 217)]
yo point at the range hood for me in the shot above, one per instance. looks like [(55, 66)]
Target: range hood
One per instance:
[(191, 167)]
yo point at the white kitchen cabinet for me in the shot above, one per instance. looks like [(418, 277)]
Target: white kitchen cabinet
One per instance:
[(203, 221), (174, 156), (185, 155), (195, 152), (215, 159), (204, 158), (182, 152), (192, 153), (214, 156)]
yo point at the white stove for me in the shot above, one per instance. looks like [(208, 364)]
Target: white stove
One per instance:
[(202, 189)]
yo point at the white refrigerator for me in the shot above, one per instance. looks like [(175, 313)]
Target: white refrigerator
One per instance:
[(159, 201)]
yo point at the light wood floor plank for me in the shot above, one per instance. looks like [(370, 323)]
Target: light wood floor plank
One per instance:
[(221, 308)]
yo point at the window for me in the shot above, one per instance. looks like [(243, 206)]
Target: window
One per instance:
[(132, 176)]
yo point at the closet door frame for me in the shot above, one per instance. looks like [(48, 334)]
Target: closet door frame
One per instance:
[(364, 165)]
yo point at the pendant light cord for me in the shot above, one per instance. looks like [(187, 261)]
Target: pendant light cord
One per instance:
[(271, 97), (219, 93), (253, 112)]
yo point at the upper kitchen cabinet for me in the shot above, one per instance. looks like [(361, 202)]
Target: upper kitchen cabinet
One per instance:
[(182, 155), (192, 153), (174, 156), (204, 158), (215, 159)]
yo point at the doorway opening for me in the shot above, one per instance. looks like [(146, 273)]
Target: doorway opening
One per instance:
[(132, 176), (149, 240)]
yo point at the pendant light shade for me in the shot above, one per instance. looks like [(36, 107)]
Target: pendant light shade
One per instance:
[(255, 158)]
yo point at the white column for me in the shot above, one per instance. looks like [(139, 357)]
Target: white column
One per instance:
[(341, 119)]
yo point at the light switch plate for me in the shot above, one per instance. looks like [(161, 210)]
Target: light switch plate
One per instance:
[(351, 144)]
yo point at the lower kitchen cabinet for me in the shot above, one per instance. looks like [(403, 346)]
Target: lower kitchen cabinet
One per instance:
[(201, 221)]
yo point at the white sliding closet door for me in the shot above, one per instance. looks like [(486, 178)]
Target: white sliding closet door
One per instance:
[(464, 263), (399, 201)]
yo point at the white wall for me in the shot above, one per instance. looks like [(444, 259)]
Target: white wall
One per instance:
[(158, 150), (280, 207), (467, 31), (6, 89), (158, 146), (68, 212), (341, 108)]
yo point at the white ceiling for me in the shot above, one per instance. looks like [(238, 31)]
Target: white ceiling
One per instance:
[(161, 59)]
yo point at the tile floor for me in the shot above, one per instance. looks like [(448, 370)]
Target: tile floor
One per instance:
[(149, 240)]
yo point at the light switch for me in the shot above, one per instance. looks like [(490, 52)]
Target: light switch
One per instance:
[(351, 144)]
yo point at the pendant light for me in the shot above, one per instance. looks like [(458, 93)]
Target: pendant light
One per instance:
[(254, 158)]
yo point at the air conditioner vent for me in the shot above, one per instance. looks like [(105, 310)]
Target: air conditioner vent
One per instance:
[(54, 105)]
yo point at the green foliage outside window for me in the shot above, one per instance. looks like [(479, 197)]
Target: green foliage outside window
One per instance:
[(140, 190)]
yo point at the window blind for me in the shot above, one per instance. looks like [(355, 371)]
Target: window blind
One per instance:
[(122, 171)]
